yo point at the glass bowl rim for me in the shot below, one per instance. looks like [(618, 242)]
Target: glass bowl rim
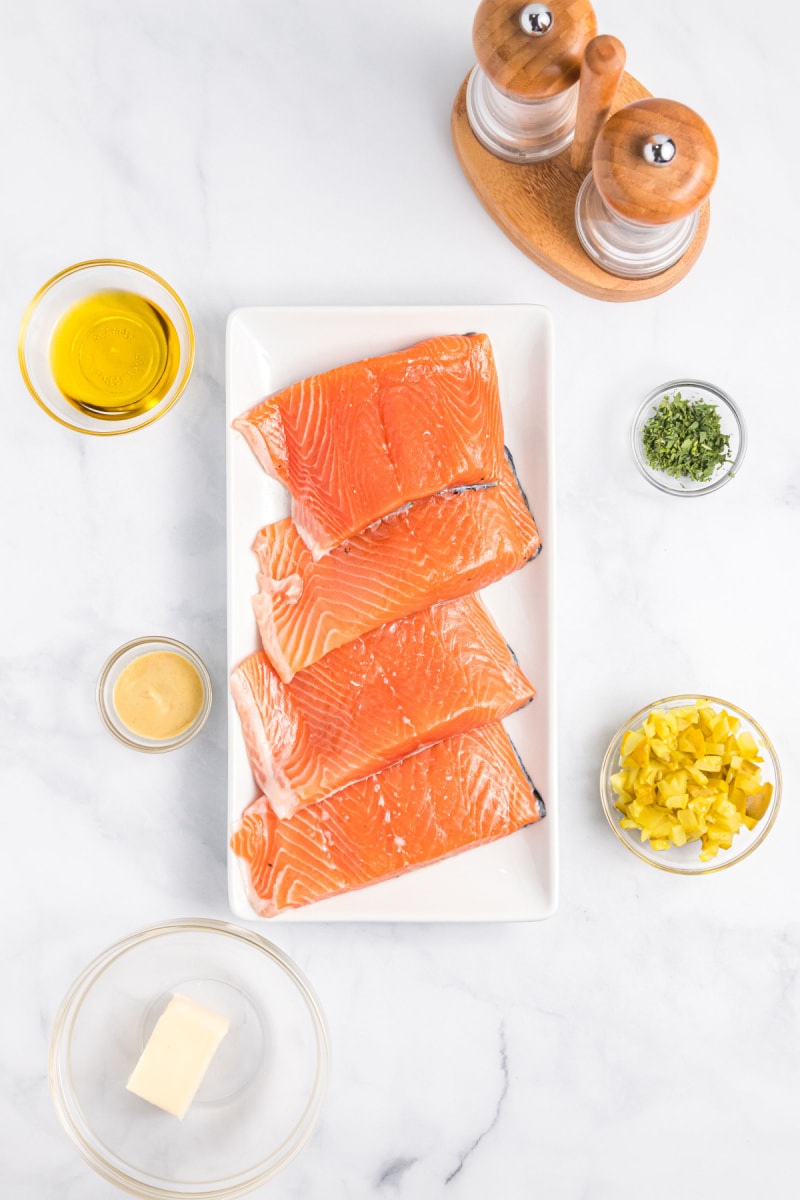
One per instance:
[(659, 479), (189, 734), (60, 1045), (703, 868), (87, 264)]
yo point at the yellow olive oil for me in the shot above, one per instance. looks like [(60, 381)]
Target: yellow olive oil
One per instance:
[(114, 354)]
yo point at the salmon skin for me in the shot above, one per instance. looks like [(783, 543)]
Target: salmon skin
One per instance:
[(438, 672), (461, 792), (437, 549), (359, 442)]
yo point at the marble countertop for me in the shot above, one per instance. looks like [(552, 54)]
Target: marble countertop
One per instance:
[(642, 1041)]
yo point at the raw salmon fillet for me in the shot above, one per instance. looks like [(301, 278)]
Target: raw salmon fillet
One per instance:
[(402, 686), (358, 442), (462, 792), (436, 549)]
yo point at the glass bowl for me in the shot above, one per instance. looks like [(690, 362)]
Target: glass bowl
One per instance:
[(685, 860), (116, 664), (261, 1097), (731, 423), (56, 298)]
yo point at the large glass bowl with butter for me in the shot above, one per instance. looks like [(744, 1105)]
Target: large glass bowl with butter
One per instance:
[(106, 347), (685, 859), (731, 424), (261, 1096)]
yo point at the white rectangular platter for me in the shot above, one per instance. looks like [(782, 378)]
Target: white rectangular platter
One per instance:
[(516, 878)]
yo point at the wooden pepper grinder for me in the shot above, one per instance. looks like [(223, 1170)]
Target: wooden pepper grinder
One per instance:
[(653, 166), (522, 96)]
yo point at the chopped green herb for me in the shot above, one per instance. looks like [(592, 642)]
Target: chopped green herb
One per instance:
[(683, 438)]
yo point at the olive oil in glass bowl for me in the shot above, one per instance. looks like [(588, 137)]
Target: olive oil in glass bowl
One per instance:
[(106, 347)]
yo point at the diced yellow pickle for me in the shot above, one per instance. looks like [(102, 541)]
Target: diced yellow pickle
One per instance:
[(673, 782), (689, 822), (720, 727), (709, 762), (637, 753), (747, 744), (742, 799), (660, 727), (729, 749), (630, 739), (749, 768), (660, 749), (679, 801), (688, 774), (691, 741), (758, 802), (747, 783)]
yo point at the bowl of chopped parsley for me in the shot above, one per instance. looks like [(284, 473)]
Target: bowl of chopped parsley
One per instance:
[(689, 438)]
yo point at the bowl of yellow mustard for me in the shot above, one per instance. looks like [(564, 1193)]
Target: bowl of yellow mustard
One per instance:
[(691, 784), (154, 694)]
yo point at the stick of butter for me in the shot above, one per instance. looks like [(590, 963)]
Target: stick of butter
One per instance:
[(177, 1055)]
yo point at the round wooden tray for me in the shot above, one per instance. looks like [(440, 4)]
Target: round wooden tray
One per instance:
[(534, 205)]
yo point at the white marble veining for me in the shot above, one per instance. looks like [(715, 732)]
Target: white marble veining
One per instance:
[(642, 1042)]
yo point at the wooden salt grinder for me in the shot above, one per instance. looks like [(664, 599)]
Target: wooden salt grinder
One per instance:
[(522, 95)]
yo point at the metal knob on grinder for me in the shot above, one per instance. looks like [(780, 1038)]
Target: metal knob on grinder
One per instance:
[(522, 95), (653, 166)]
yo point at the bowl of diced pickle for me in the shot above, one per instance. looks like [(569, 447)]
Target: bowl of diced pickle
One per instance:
[(691, 784)]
